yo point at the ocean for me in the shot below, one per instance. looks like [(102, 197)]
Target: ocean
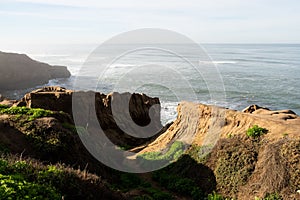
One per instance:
[(235, 75)]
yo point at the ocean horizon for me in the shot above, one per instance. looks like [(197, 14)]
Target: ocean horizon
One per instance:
[(264, 74)]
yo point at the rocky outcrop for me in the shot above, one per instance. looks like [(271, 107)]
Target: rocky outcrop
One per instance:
[(119, 120), (204, 124), (18, 71), (220, 154), (244, 167)]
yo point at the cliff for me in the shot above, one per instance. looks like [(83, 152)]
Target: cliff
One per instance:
[(60, 99), (244, 166), (238, 154), (18, 71)]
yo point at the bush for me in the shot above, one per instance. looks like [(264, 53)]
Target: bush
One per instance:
[(256, 131), (273, 196)]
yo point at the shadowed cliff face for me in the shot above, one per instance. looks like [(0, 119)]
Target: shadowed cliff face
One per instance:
[(18, 71), (120, 122)]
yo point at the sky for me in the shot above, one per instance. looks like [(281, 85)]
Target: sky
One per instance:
[(30, 22)]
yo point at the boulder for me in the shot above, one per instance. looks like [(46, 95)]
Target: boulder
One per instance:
[(253, 108)]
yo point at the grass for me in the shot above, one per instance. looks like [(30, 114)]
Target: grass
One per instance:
[(32, 113), (215, 196), (16, 184), (174, 152), (199, 153), (31, 179)]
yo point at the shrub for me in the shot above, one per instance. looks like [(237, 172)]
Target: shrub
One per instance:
[(273, 196), (256, 131)]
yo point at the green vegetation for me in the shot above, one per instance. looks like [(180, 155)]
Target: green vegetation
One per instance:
[(32, 113), (178, 184), (215, 196), (293, 162), (256, 131), (154, 194), (4, 149), (30, 179), (235, 162), (16, 184), (174, 152), (128, 181), (199, 153), (74, 129), (3, 106), (273, 196)]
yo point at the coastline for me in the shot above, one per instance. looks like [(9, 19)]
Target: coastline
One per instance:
[(210, 139)]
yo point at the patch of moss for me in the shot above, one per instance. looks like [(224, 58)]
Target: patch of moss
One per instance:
[(32, 113)]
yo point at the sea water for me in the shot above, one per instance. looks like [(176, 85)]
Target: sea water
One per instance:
[(263, 74)]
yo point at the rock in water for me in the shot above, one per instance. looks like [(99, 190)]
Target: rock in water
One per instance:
[(18, 71)]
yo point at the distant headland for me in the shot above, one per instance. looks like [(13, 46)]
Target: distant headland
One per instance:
[(18, 71)]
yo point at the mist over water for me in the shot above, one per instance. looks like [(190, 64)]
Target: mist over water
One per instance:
[(267, 75)]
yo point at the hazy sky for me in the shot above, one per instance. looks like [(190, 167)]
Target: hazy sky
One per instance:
[(93, 21)]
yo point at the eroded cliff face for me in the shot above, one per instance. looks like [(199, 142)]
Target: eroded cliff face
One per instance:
[(119, 121), (18, 71), (204, 124), (244, 167)]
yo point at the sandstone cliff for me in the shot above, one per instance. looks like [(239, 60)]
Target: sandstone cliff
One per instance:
[(220, 156), (244, 167), (143, 110), (18, 71)]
